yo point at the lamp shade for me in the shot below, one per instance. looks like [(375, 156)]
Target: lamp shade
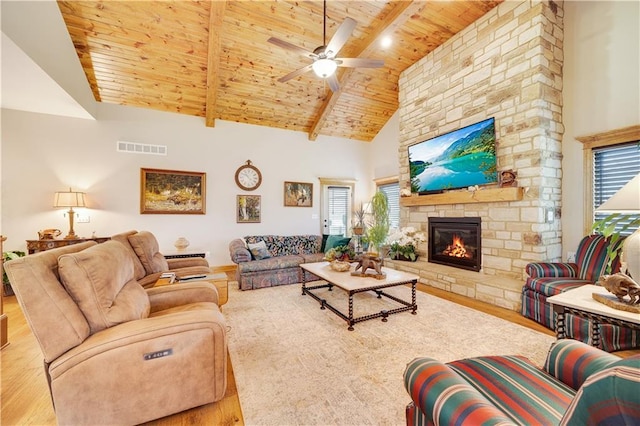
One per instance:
[(69, 199), (324, 67), (626, 200)]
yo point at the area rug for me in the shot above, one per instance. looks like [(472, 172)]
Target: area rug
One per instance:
[(296, 364)]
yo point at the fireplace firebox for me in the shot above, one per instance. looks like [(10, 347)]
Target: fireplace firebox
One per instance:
[(455, 242)]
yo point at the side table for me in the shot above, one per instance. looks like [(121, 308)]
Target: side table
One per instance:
[(219, 280), (35, 246), (579, 301)]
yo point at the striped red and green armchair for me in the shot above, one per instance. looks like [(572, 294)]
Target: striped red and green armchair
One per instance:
[(546, 279), (578, 385)]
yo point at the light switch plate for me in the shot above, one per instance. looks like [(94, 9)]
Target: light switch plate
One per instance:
[(83, 218)]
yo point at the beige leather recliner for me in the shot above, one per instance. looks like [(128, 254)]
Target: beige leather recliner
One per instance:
[(114, 352), (149, 263)]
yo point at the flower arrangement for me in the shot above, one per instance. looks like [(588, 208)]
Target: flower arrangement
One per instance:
[(343, 253), (403, 243)]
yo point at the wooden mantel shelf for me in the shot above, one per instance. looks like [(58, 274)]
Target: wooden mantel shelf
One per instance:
[(490, 195)]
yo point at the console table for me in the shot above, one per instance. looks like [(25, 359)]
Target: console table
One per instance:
[(182, 254), (35, 246)]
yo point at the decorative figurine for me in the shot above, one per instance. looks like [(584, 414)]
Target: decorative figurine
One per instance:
[(367, 261), (49, 234), (621, 285), (508, 178)]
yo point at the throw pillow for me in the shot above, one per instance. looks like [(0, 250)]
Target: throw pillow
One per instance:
[(145, 245), (325, 237), (336, 241), (100, 280), (259, 250)]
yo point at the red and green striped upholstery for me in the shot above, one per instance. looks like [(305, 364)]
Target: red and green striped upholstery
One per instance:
[(572, 362), (608, 397), (438, 390), (505, 390), (547, 279)]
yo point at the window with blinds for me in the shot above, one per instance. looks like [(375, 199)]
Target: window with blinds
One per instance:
[(338, 201), (613, 167), (392, 191)]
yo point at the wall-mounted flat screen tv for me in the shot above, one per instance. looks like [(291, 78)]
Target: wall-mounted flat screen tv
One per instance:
[(459, 159)]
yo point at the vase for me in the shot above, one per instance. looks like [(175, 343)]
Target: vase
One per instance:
[(181, 243)]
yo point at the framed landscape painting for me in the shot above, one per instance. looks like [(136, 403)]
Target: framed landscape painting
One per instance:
[(248, 209), (172, 192), (298, 194)]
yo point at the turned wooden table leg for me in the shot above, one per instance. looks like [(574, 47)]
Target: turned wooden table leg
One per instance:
[(561, 332)]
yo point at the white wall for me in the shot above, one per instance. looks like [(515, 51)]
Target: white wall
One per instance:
[(601, 90), (42, 154), (384, 154)]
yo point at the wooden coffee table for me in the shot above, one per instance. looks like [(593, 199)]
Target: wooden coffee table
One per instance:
[(579, 301), (356, 284)]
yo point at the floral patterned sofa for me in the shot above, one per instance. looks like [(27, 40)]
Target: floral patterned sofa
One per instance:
[(284, 254)]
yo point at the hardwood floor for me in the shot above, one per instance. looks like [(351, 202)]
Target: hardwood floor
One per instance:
[(25, 395)]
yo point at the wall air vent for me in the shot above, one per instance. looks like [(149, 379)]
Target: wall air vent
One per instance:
[(140, 148)]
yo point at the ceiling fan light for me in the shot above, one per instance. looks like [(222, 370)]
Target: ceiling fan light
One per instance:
[(324, 68)]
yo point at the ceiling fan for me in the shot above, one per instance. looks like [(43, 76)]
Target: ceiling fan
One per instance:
[(324, 58)]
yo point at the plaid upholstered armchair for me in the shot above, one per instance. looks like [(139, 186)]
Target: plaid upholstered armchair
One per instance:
[(578, 385), (546, 279)]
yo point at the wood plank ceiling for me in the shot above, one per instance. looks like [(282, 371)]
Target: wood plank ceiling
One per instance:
[(211, 59)]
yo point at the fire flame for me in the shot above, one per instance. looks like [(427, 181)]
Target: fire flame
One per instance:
[(456, 248)]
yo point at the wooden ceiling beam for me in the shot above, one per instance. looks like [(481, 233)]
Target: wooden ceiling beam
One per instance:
[(216, 16), (402, 11)]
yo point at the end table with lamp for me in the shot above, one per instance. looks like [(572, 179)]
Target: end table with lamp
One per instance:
[(66, 199)]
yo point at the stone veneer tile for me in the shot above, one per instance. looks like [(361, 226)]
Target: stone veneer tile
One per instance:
[(508, 64)]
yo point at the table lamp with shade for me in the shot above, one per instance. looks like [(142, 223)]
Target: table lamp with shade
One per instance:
[(69, 199), (627, 202)]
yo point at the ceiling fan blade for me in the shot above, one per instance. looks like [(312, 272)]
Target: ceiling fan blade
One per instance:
[(292, 47), (295, 73), (359, 62), (334, 84), (340, 37)]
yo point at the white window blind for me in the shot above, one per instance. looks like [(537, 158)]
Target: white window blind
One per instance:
[(613, 167), (392, 191), (338, 204)]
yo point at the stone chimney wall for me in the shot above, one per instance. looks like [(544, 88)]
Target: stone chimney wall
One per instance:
[(507, 65)]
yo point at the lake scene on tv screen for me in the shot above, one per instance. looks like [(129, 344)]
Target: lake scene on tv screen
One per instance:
[(459, 159)]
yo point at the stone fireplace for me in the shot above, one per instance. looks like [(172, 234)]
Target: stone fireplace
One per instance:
[(455, 242), (507, 65)]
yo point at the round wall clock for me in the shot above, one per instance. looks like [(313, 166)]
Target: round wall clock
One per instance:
[(248, 177)]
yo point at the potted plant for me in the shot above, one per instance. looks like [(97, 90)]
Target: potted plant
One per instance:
[(607, 228), (6, 256), (378, 228), (403, 243), (358, 221)]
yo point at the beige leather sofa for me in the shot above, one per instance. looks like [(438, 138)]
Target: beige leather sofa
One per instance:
[(114, 352), (149, 263)]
